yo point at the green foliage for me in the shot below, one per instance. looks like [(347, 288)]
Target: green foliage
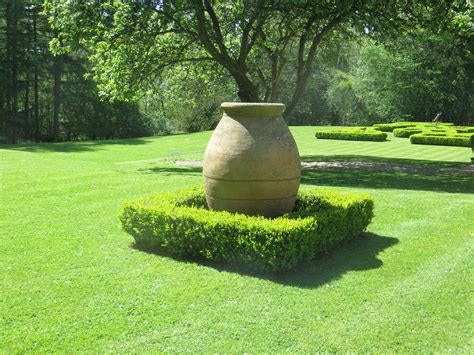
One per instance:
[(181, 224), (343, 100), (353, 134), (30, 75), (390, 127), (416, 77), (269, 50), (403, 77), (85, 116), (428, 133), (189, 97), (464, 129), (444, 129), (405, 132), (418, 132), (460, 140)]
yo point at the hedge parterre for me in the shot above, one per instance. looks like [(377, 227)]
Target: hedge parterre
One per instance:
[(418, 132), (181, 224), (389, 127)]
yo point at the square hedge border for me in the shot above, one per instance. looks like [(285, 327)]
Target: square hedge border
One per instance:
[(181, 224)]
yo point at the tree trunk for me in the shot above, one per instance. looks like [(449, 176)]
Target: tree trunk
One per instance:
[(26, 129), (58, 67), (12, 56), (297, 94), (248, 91), (37, 123)]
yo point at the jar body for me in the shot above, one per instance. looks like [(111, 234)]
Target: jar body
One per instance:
[(252, 164)]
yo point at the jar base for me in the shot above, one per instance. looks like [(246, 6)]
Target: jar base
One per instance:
[(266, 208)]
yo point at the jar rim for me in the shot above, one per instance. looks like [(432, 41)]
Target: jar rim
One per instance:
[(253, 109)]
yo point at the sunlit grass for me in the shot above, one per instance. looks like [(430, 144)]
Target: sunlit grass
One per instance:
[(71, 279)]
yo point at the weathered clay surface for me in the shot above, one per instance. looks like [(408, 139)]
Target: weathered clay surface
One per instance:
[(252, 164)]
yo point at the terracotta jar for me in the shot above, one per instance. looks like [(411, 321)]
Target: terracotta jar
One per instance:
[(252, 164)]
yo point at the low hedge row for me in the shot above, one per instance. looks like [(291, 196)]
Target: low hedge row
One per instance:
[(181, 224), (466, 129), (405, 132), (426, 133), (460, 140), (353, 134), (390, 127)]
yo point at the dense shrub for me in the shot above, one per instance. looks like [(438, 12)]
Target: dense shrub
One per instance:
[(405, 132), (358, 134), (181, 224), (461, 140)]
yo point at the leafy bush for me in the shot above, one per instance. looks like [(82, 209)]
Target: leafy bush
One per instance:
[(461, 140), (405, 132), (353, 134), (181, 224)]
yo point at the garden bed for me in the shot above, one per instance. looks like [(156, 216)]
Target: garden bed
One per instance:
[(181, 224)]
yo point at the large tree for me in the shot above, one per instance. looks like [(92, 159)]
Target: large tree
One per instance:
[(132, 42)]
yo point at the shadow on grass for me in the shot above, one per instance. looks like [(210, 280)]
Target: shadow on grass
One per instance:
[(384, 160), (172, 170), (389, 180), (72, 147), (355, 255), (358, 178)]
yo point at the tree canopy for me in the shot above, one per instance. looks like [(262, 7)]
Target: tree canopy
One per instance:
[(255, 41), (67, 67)]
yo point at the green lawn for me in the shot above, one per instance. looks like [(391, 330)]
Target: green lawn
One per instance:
[(71, 279)]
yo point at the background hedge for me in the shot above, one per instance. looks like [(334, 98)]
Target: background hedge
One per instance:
[(389, 127), (466, 129), (181, 224), (405, 132), (453, 135), (461, 140), (353, 134)]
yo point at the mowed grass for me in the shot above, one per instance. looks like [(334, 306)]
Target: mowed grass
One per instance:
[(71, 280)]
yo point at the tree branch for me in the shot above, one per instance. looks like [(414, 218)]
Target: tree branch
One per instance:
[(305, 65), (203, 36), (216, 26)]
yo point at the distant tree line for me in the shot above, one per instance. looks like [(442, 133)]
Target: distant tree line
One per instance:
[(410, 78), (47, 98), (138, 68)]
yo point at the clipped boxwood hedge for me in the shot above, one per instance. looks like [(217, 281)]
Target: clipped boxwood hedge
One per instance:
[(181, 224), (405, 132), (461, 140), (390, 127), (466, 129), (358, 134)]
